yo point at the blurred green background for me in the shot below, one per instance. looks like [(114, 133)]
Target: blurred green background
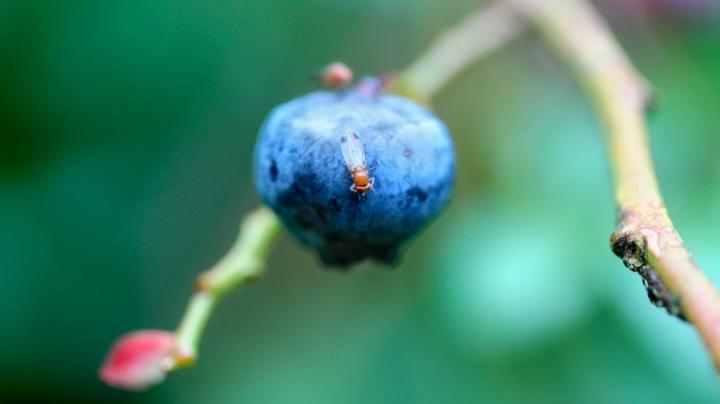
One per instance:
[(126, 133)]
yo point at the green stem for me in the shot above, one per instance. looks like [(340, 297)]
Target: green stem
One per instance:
[(244, 262), (477, 35), (192, 326), (645, 237)]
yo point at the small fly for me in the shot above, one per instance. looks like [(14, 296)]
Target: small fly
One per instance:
[(354, 156)]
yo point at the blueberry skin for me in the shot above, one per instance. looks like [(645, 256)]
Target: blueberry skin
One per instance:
[(300, 173)]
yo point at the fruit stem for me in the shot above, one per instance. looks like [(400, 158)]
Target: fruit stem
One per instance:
[(478, 35), (244, 262)]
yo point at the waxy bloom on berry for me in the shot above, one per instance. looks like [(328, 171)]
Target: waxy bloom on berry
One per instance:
[(399, 157)]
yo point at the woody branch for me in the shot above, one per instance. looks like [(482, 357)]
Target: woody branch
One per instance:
[(645, 238)]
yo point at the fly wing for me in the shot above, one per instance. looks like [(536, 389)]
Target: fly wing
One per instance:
[(352, 151)]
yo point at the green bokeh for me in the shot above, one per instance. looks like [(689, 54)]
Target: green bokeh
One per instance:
[(126, 131)]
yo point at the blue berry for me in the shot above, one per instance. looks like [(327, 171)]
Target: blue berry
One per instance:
[(300, 172)]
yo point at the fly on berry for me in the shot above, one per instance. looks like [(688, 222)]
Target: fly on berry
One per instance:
[(354, 156)]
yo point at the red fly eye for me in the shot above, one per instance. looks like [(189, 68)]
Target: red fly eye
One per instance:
[(361, 179)]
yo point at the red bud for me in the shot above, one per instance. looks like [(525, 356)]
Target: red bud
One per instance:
[(139, 359)]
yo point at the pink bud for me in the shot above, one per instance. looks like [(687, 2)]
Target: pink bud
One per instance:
[(139, 359), (336, 75)]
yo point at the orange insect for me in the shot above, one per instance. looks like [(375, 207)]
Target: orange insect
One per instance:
[(354, 156)]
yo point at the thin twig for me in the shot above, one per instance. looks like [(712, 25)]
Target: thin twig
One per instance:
[(477, 35), (645, 237), (243, 263)]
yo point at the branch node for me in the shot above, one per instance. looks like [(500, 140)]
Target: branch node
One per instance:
[(632, 249), (203, 283)]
